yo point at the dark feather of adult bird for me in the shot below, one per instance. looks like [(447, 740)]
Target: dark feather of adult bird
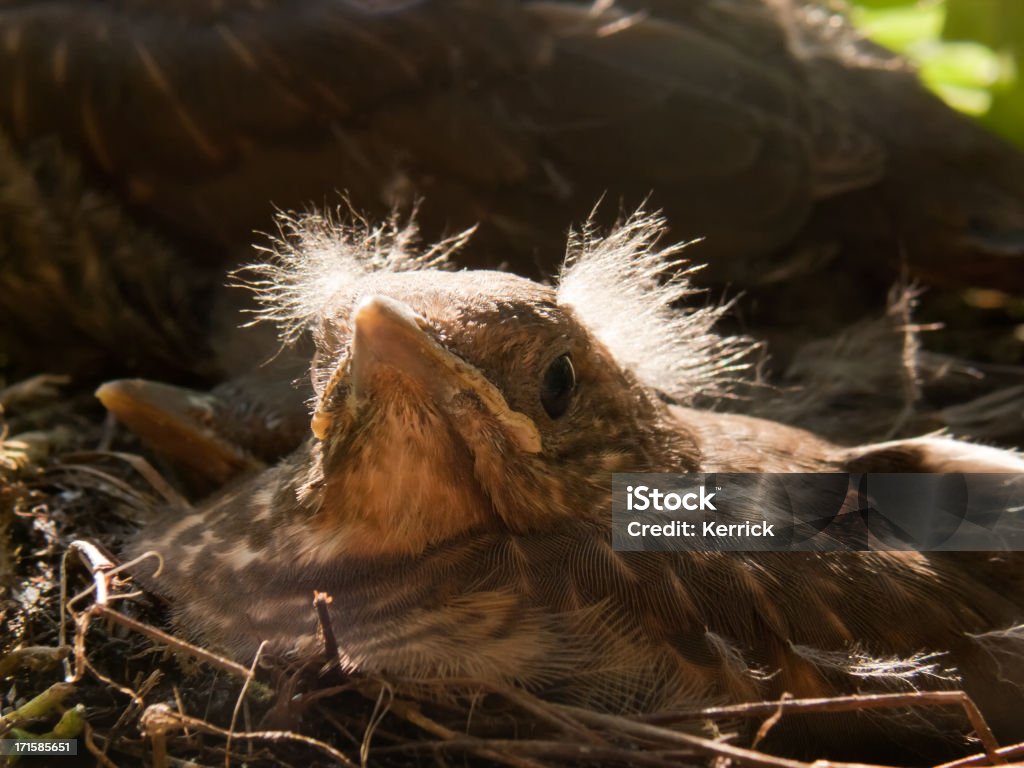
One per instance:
[(807, 158), (454, 499)]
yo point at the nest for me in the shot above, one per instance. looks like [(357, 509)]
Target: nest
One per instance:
[(85, 654)]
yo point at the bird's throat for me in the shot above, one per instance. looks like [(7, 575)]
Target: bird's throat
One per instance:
[(402, 482)]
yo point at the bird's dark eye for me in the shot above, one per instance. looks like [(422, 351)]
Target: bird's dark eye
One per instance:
[(557, 387)]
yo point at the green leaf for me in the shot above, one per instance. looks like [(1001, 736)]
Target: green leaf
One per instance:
[(969, 52), (901, 27)]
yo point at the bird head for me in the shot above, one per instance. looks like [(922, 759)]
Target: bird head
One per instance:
[(446, 401)]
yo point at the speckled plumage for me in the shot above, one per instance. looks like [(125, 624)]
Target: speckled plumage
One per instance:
[(461, 530)]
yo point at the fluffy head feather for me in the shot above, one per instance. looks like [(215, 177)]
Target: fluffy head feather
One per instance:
[(316, 255), (627, 290), (623, 287)]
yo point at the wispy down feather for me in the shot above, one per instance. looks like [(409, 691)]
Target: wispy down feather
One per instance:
[(627, 290), (907, 672), (317, 255)]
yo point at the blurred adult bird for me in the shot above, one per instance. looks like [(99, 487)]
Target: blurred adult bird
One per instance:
[(797, 150), (454, 500)]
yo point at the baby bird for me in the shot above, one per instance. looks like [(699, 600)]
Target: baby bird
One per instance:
[(454, 499)]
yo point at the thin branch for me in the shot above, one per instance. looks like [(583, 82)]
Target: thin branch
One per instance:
[(175, 643), (238, 704), (697, 743), (855, 703), (168, 718)]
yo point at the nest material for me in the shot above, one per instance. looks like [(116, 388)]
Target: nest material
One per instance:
[(143, 694), (316, 716)]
